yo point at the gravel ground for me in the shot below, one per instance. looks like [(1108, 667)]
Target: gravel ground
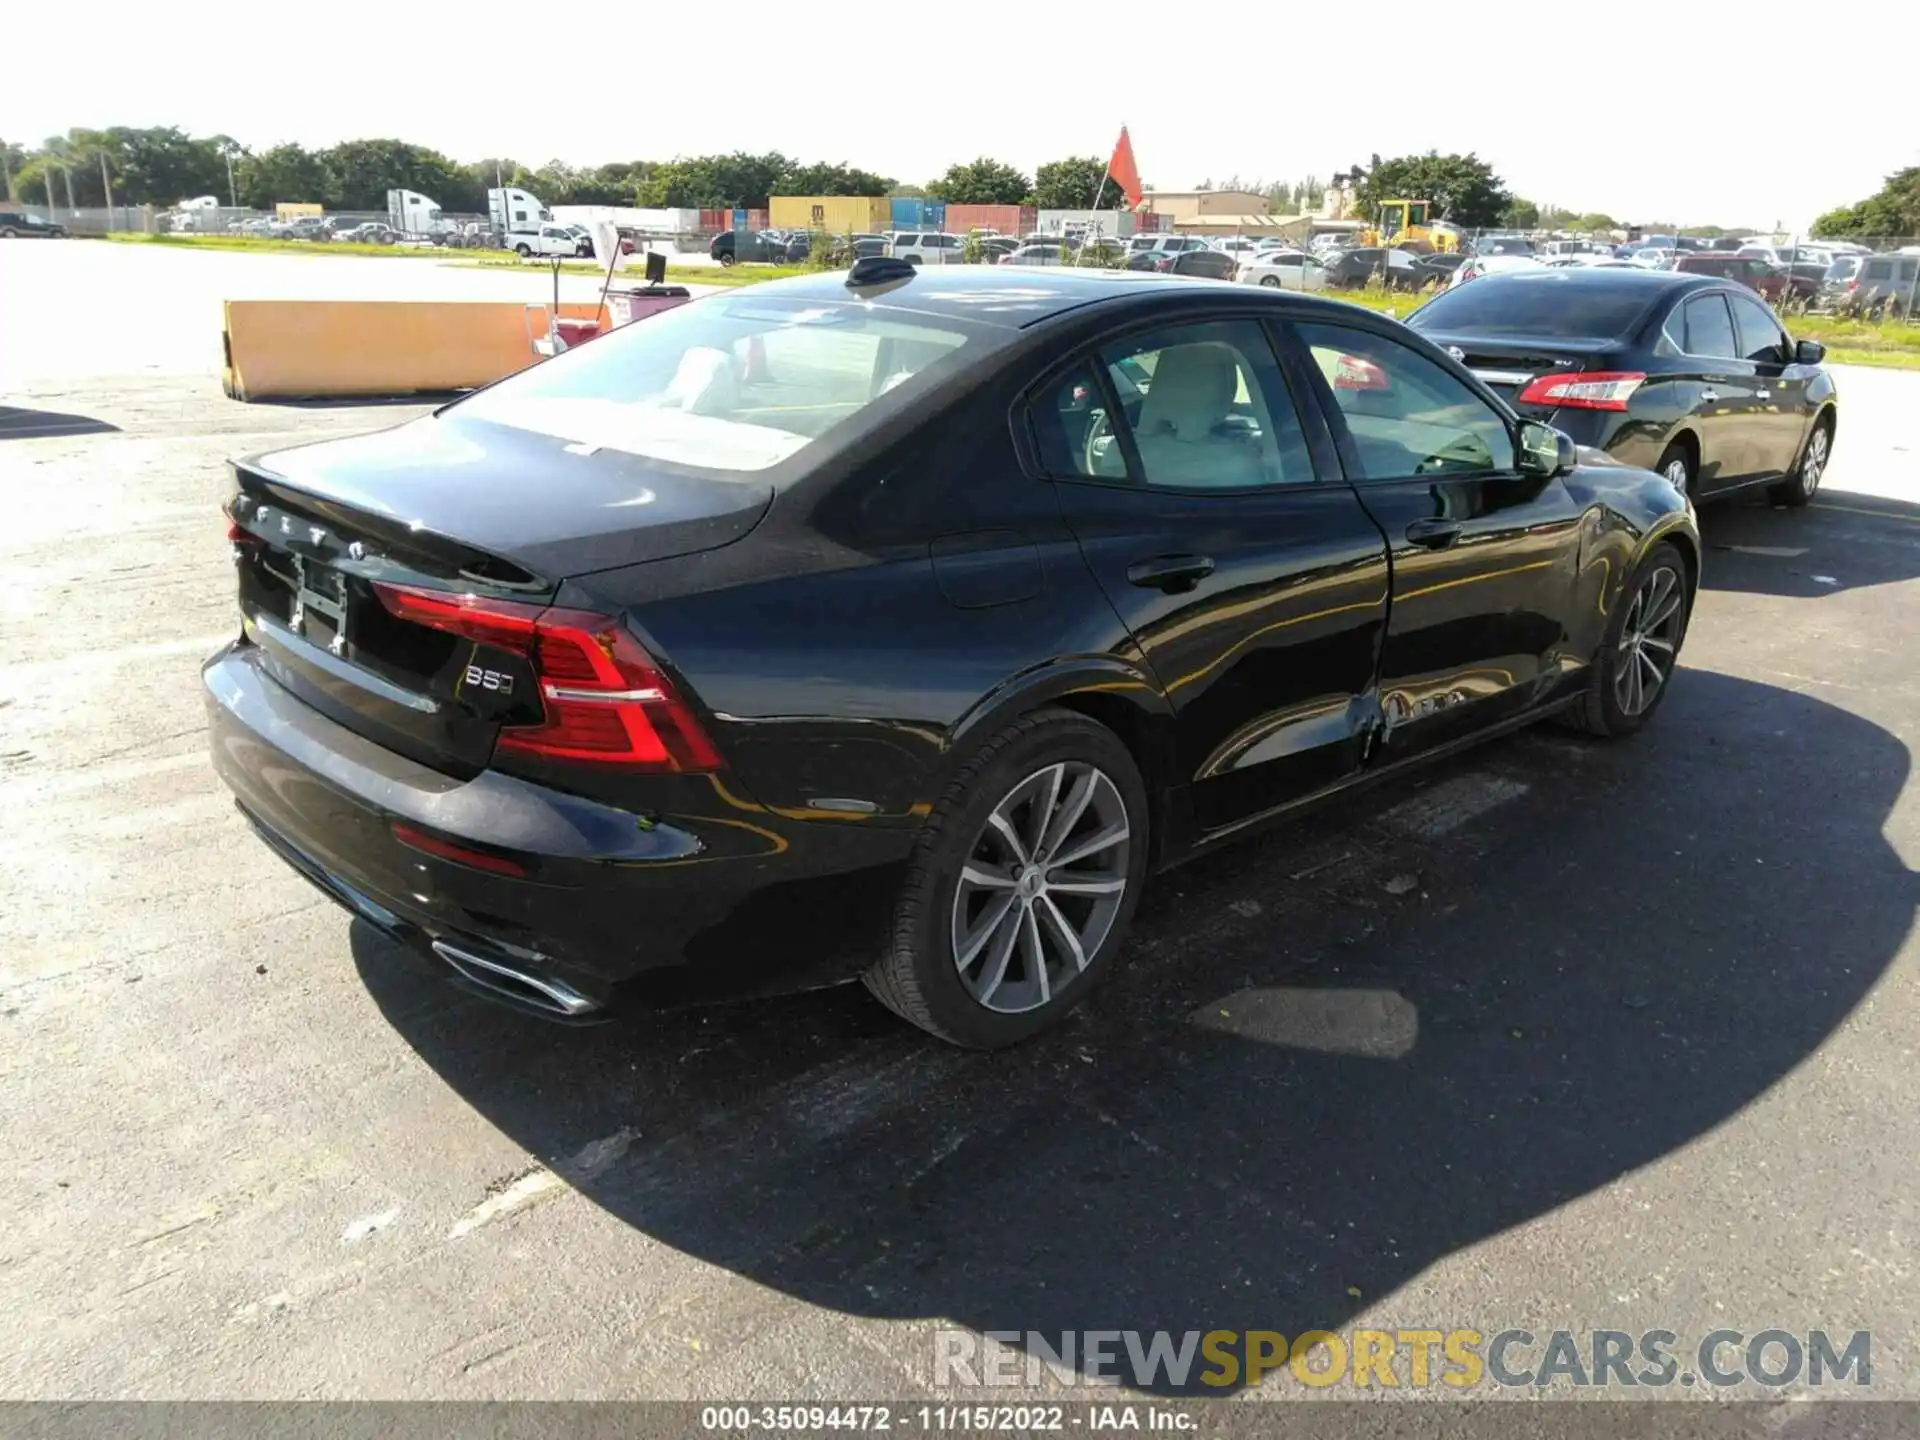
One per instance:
[(1570, 1036)]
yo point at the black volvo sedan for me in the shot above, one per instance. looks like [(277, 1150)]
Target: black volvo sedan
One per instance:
[(1690, 375), (900, 626)]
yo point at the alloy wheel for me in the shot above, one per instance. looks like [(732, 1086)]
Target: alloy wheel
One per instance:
[(1676, 473), (1815, 463), (1649, 641), (1041, 887)]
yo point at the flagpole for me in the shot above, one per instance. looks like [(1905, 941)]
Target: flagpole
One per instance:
[(1093, 221)]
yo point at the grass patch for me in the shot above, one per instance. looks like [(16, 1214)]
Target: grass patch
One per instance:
[(1893, 343), (255, 245)]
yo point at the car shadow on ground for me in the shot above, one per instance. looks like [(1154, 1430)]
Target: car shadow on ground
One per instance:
[(23, 424), (1306, 1086), (1841, 542)]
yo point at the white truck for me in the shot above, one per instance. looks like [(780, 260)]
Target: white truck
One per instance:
[(527, 227), (414, 215)]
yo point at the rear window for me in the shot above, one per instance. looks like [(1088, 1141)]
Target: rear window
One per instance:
[(728, 383), (1548, 305)]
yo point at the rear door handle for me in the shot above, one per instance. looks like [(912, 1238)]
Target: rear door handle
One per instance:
[(1434, 534), (1171, 573)]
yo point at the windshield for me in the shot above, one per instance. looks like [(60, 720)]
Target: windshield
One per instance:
[(1547, 304), (730, 384)]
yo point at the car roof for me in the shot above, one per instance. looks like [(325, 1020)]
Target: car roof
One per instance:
[(1597, 277), (991, 297)]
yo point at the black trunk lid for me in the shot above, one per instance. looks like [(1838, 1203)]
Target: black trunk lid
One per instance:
[(441, 504)]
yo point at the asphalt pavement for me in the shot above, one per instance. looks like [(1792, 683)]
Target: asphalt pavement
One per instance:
[(1569, 1035)]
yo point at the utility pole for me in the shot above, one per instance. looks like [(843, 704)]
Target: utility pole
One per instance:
[(6, 169), (233, 195), (106, 188), (66, 175)]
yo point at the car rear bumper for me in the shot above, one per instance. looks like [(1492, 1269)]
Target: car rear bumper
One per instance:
[(709, 897)]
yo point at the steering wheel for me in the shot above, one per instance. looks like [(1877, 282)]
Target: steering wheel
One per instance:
[(1100, 428)]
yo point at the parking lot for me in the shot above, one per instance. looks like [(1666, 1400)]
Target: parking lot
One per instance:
[(1572, 1036)]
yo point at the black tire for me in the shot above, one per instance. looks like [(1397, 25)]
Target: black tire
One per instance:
[(1599, 711), (726, 258), (1809, 466), (918, 978), (523, 250), (9, 233), (1270, 282), (1677, 454)]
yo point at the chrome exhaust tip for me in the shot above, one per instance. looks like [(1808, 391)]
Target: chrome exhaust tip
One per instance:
[(543, 992)]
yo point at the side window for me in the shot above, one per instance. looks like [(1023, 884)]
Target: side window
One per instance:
[(1761, 337), (1204, 406), (1709, 329), (1407, 416)]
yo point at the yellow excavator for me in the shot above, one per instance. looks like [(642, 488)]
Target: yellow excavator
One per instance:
[(1404, 223)]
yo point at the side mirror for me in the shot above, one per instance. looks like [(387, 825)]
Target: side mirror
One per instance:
[(1809, 352), (1544, 451)]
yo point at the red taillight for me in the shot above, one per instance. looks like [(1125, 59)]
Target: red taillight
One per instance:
[(1350, 372), (1583, 390), (604, 698), (460, 854)]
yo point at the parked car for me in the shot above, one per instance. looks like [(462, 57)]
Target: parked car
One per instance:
[(1757, 275), (1438, 267), (1881, 283), (928, 247), (494, 712), (549, 241), (1283, 270), (1146, 252), (994, 249), (1486, 245), (754, 248), (371, 232), (868, 246), (1353, 269), (305, 227), (1688, 375), (1203, 261), (20, 225)]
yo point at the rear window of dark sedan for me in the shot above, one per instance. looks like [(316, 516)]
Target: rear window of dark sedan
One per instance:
[(731, 384), (1547, 307)]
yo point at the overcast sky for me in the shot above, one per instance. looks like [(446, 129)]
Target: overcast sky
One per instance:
[(1672, 111)]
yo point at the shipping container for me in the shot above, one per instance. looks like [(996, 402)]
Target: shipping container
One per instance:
[(1000, 219), (756, 220), (917, 212), (293, 210), (837, 214), (716, 219)]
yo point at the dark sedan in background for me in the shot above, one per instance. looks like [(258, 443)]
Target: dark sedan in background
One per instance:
[(900, 626), (1688, 375)]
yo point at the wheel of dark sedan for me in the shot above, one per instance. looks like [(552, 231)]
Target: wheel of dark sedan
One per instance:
[(1812, 464), (1633, 670), (1676, 465), (1021, 886)]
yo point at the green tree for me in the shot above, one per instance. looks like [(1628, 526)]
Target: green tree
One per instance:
[(1518, 214), (360, 172), (1070, 184), (982, 182), (1463, 188), (719, 181), (1596, 220), (286, 172), (1894, 211), (832, 180)]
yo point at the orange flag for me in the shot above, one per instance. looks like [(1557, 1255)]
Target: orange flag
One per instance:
[(1123, 172)]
